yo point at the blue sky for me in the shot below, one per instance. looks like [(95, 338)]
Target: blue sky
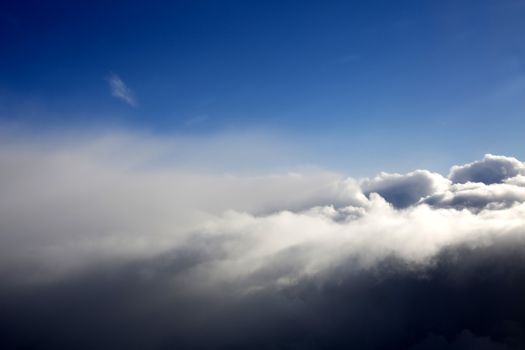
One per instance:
[(352, 83)]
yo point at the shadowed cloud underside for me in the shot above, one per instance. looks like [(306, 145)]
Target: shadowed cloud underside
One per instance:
[(103, 248)]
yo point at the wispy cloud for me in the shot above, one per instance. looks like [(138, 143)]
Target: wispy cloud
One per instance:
[(120, 90)]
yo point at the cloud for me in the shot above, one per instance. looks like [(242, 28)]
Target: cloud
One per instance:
[(465, 340), (121, 91), (518, 180), (105, 244), (472, 296), (478, 196), (491, 169), (405, 190)]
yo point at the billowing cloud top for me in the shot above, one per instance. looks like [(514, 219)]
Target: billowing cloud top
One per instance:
[(490, 170), (405, 190), (101, 249)]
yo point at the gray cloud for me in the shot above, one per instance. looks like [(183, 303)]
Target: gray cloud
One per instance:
[(491, 169), (466, 298), (405, 190), (478, 196)]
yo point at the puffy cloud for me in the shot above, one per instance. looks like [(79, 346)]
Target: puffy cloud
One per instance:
[(516, 181), (103, 246), (491, 169), (495, 181), (405, 190), (478, 196)]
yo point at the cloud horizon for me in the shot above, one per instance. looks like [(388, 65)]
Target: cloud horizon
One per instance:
[(99, 214)]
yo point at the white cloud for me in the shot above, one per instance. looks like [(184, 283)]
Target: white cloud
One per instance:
[(478, 196), (121, 91), (71, 205), (117, 227)]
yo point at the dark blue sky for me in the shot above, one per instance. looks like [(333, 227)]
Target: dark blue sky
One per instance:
[(413, 79)]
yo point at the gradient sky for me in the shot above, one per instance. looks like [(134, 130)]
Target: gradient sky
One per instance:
[(415, 83)]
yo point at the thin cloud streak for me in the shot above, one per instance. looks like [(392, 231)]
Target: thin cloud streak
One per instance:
[(120, 90)]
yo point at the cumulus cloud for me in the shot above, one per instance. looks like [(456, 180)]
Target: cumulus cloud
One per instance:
[(518, 180), (491, 169), (478, 196), (121, 91), (104, 246), (405, 190)]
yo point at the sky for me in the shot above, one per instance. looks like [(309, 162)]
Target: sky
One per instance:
[(262, 175), (332, 79)]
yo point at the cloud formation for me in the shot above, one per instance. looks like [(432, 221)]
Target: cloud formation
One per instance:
[(120, 90), (103, 247), (405, 190), (490, 170)]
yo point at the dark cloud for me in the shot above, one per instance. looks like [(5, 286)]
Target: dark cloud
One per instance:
[(464, 298), (491, 169), (464, 341)]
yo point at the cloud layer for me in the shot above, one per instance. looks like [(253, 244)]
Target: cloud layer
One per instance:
[(102, 246), (490, 170)]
